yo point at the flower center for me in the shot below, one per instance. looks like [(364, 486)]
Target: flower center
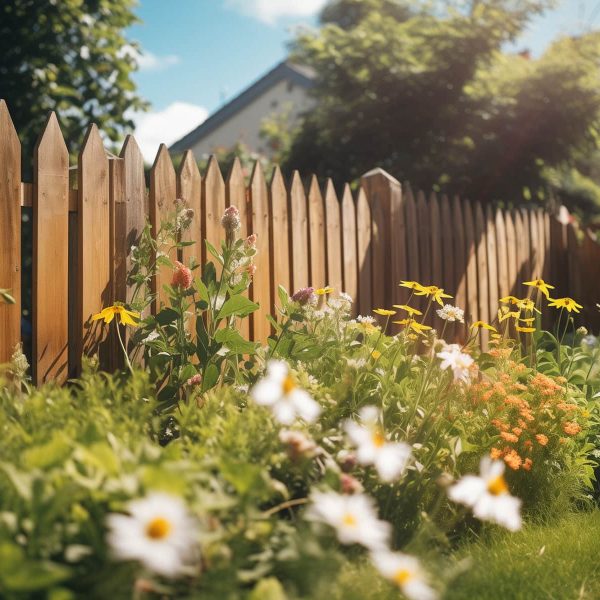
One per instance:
[(349, 520), (288, 384), (378, 439), (401, 576), (497, 486), (158, 529)]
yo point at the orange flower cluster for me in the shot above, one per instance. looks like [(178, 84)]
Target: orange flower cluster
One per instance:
[(528, 414)]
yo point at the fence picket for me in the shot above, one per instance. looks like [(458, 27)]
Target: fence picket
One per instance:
[(437, 274), (213, 202), (349, 246), (502, 250), (237, 195), (364, 251), (162, 207), (492, 258), (299, 230), (459, 289), (447, 245), (482, 275), (316, 236), (512, 253), (424, 241), (189, 189), (50, 295), (10, 233), (94, 272), (471, 308), (334, 238), (260, 290), (280, 235)]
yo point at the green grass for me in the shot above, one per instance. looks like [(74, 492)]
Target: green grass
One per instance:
[(559, 561)]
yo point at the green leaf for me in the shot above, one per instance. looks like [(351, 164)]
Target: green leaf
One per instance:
[(240, 306), (166, 316), (213, 251), (210, 378), (231, 338), (283, 296)]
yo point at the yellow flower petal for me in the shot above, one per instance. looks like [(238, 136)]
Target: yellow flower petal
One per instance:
[(384, 312), (409, 309), (324, 290), (483, 325)]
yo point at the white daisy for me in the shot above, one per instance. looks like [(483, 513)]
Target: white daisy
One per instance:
[(459, 362), (352, 516), (389, 458), (488, 495), (406, 572), (158, 532), (278, 391), (451, 313)]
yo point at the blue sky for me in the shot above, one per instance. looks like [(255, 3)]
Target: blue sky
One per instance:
[(200, 53)]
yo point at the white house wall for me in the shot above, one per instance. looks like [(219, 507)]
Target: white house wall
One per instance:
[(245, 125)]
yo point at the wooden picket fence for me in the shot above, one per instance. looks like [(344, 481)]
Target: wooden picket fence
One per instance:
[(362, 243)]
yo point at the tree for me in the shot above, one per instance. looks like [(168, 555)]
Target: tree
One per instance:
[(424, 90), (70, 56)]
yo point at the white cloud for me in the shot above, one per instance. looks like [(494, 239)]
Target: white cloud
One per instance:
[(271, 11), (166, 126), (150, 62), (147, 61)]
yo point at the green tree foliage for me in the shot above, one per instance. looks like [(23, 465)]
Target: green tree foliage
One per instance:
[(70, 56), (426, 91)]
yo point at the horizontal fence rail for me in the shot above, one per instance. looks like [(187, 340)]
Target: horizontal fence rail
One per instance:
[(362, 242)]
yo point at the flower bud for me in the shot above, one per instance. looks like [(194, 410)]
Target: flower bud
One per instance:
[(195, 379), (182, 276), (231, 219), (350, 485), (304, 295), (250, 241)]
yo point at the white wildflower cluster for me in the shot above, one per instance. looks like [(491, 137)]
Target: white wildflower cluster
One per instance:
[(279, 392), (451, 313), (156, 531), (458, 361), (488, 496)]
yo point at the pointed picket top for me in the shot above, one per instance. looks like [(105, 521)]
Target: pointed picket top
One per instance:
[(314, 190), (188, 168), (258, 176), (379, 173), (52, 137), (131, 149), (330, 190), (7, 126), (236, 173), (277, 181), (213, 171), (299, 227)]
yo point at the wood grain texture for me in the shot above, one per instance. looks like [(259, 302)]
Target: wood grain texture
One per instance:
[(299, 227), (50, 290), (524, 246), (236, 195), (492, 261), (316, 235), (333, 224), (534, 246), (94, 269), (502, 253), (189, 189), (280, 235), (472, 304), (379, 256), (388, 232), (10, 233), (482, 272), (260, 290), (364, 251), (412, 237), (213, 202), (424, 235), (460, 256), (512, 253), (349, 246), (437, 274), (448, 282)]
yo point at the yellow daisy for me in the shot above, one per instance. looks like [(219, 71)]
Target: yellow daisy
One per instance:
[(483, 325), (541, 285), (409, 309), (324, 290), (384, 312), (567, 303), (125, 316)]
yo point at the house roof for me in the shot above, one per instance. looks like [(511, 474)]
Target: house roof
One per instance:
[(286, 70)]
